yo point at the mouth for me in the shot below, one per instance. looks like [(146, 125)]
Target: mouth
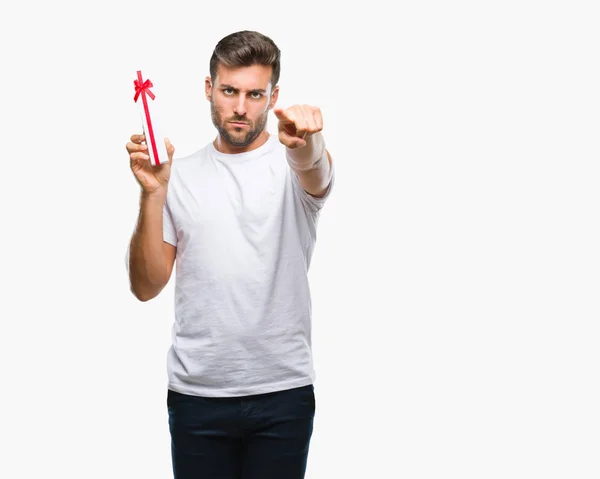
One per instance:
[(238, 124)]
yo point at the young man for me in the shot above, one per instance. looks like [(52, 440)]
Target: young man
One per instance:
[(240, 217)]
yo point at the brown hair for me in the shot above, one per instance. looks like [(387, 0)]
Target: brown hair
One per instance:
[(244, 49)]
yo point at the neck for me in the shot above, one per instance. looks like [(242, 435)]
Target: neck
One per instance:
[(223, 147)]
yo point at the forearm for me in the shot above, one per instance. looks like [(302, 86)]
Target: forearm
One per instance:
[(312, 164), (148, 272)]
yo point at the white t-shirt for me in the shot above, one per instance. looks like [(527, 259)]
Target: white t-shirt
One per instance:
[(245, 230)]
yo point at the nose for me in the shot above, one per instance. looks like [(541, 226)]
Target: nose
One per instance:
[(240, 106)]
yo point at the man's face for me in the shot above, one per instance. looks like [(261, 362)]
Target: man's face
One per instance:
[(240, 100)]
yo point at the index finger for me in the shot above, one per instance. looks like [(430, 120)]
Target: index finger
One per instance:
[(138, 138), (284, 115)]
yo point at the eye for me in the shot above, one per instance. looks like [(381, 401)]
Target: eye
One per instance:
[(228, 91), (256, 95)]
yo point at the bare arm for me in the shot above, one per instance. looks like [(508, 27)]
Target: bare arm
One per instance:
[(300, 131), (151, 259), (312, 164)]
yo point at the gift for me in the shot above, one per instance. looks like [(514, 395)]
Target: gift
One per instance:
[(146, 99)]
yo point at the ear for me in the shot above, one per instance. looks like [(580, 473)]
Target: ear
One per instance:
[(208, 88), (274, 97)]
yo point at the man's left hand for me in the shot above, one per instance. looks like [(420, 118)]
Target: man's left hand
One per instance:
[(297, 123)]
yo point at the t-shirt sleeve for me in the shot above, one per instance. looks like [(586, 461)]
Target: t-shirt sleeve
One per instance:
[(169, 232), (312, 203)]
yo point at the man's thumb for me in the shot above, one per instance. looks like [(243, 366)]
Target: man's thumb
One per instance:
[(170, 149)]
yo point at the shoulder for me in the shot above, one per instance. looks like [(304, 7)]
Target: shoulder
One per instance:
[(185, 165)]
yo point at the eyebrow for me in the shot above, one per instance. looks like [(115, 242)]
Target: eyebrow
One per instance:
[(225, 86)]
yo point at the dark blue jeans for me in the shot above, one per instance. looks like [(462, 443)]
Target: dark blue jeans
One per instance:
[(265, 436)]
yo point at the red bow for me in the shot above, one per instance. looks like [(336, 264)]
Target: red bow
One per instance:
[(142, 87)]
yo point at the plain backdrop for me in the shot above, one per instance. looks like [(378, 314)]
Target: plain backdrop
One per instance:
[(456, 275)]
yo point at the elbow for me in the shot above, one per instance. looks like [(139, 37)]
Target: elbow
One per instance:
[(144, 298), (140, 296), (144, 295), (144, 288)]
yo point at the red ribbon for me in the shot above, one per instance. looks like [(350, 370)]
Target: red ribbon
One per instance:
[(143, 88)]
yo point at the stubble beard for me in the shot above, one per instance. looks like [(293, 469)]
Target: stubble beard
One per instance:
[(255, 127)]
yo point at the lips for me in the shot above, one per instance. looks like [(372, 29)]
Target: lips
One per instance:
[(238, 123)]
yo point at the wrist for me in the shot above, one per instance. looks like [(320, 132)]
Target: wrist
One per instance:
[(158, 196), (309, 156)]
